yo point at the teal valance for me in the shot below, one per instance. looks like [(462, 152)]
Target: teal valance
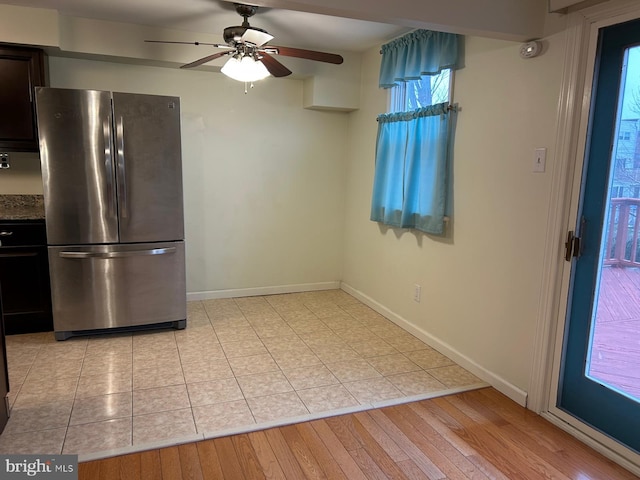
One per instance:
[(421, 52)]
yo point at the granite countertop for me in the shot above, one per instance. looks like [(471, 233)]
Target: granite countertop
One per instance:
[(21, 207)]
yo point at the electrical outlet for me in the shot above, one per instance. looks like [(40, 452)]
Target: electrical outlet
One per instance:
[(417, 290)]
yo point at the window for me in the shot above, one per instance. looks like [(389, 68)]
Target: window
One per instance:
[(411, 187), (414, 94), (624, 136)]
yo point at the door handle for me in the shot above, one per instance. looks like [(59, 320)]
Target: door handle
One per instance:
[(571, 246), (4, 233), (122, 193), (108, 164), (574, 245), (128, 253)]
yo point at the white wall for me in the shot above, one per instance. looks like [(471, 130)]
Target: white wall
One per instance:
[(480, 286), (263, 178)]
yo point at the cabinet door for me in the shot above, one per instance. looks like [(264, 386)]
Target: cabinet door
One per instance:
[(24, 276), (21, 69)]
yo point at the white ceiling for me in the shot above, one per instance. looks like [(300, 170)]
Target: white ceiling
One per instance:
[(290, 28), (325, 25)]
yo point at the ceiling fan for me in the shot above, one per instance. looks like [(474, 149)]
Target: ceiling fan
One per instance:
[(251, 58)]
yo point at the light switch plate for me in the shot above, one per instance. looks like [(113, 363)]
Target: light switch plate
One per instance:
[(539, 160)]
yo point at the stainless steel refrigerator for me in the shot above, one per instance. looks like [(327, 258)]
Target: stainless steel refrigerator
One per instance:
[(112, 179)]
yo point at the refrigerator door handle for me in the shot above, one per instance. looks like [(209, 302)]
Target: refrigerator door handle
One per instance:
[(124, 213), (129, 253), (108, 163)]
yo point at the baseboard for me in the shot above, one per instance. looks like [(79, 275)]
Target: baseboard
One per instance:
[(256, 291), (514, 393)]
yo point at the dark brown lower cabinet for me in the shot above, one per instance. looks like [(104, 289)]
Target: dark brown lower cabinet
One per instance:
[(24, 278), (4, 377)]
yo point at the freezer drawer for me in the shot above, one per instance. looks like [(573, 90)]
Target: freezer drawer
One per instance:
[(111, 286)]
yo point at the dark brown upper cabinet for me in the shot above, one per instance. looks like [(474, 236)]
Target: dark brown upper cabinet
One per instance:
[(21, 70)]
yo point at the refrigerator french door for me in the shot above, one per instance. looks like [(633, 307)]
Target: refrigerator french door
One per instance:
[(112, 180)]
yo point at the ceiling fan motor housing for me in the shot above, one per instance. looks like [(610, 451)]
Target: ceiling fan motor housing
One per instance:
[(233, 35), (246, 10)]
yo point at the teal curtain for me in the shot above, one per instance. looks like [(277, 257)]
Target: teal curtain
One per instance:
[(414, 149), (417, 54), (413, 155)]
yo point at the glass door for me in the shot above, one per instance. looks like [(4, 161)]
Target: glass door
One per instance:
[(600, 376)]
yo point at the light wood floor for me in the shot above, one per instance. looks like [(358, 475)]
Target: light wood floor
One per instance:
[(477, 435)]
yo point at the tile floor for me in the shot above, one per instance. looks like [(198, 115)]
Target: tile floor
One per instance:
[(240, 363)]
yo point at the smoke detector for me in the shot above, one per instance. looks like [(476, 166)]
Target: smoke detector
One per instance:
[(530, 49)]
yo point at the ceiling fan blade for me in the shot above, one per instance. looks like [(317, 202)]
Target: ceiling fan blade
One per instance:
[(274, 66), (308, 54), (207, 59), (217, 45)]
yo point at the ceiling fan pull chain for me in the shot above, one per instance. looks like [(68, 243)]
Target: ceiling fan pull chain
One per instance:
[(247, 85)]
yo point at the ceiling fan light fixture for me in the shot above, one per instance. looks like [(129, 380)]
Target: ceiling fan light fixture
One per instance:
[(245, 69)]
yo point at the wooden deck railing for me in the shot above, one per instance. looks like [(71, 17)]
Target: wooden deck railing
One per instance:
[(623, 232)]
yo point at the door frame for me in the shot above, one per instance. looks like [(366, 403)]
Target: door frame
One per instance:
[(570, 146)]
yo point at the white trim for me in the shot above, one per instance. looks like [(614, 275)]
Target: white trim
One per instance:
[(566, 141), (256, 291), (580, 124), (516, 394)]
